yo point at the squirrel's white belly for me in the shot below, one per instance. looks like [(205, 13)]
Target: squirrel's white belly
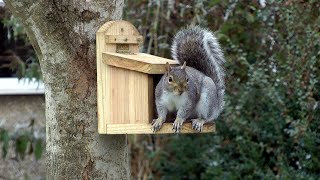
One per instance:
[(173, 102)]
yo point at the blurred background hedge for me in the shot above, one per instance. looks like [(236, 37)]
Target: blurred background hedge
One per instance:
[(270, 127)]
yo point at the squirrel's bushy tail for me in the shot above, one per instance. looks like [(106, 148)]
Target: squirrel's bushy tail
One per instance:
[(201, 50)]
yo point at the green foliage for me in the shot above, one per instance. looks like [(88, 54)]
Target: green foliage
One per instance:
[(39, 147), (24, 142), (4, 139), (33, 69), (17, 29), (271, 124), (184, 157), (21, 58)]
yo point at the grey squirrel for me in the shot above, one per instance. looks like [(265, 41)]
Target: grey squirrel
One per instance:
[(194, 90)]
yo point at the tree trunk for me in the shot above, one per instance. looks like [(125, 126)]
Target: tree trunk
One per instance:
[(63, 35)]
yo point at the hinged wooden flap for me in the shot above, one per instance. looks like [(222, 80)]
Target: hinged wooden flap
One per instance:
[(140, 62)]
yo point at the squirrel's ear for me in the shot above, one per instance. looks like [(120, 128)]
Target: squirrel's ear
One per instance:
[(168, 67), (184, 65)]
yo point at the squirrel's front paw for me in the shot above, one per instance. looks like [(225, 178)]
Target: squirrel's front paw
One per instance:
[(197, 124), (157, 124), (177, 125)]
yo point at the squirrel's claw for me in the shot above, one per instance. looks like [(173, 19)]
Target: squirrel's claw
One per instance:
[(156, 125), (197, 124), (177, 125)]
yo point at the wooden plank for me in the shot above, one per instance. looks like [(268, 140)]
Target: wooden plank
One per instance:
[(101, 47), (104, 72), (143, 57), (140, 62), (146, 128), (124, 39), (129, 97)]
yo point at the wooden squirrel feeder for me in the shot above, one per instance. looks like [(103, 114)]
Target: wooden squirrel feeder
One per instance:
[(126, 81)]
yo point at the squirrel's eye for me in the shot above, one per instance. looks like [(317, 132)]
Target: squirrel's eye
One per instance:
[(170, 79), (187, 79)]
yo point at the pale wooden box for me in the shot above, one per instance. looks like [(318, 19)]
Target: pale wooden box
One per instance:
[(125, 82)]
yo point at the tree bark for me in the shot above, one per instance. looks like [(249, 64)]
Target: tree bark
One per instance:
[(63, 35)]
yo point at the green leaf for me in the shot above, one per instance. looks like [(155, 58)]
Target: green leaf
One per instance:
[(250, 17), (38, 149), (4, 137), (21, 145)]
